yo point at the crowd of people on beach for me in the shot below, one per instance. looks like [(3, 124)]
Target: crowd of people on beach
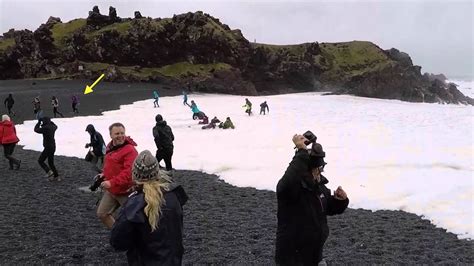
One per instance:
[(149, 225)]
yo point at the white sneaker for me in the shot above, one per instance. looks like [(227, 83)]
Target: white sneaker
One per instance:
[(49, 174)]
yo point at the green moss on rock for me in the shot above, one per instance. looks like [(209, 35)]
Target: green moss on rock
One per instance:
[(61, 31), (5, 43)]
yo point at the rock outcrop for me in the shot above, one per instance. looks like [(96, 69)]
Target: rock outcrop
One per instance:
[(199, 51)]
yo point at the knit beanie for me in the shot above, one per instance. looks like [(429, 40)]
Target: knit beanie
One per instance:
[(145, 167)]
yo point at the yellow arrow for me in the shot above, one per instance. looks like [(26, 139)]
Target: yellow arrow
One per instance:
[(89, 88)]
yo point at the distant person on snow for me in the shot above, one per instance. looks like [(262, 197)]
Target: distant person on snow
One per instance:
[(37, 108), (9, 102), (163, 136), (264, 106), (55, 104), (47, 128), (119, 156), (150, 224), (75, 103), (156, 97), (227, 124), (97, 144), (204, 120), (196, 112), (304, 201), (9, 139), (213, 123), (185, 98), (248, 106)]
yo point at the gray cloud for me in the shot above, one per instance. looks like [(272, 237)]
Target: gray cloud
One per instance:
[(437, 34)]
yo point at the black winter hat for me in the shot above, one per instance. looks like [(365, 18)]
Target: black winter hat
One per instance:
[(316, 155), (90, 128), (158, 118)]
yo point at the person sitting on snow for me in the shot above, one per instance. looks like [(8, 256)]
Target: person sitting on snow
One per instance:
[(227, 124), (204, 120), (213, 123)]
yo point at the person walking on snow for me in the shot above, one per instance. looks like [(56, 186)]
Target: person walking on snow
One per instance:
[(156, 97), (248, 106), (264, 106), (185, 98)]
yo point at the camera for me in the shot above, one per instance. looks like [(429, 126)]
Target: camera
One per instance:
[(97, 180), (311, 138)]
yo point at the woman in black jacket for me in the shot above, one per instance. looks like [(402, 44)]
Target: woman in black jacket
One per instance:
[(303, 204), (98, 148), (150, 224)]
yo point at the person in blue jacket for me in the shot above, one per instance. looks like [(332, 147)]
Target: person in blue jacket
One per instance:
[(185, 98), (197, 114), (156, 97)]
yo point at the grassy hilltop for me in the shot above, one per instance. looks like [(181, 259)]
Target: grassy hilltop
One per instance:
[(197, 51)]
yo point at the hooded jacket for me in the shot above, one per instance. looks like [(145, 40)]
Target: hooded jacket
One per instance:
[(163, 136), (47, 128), (303, 205), (118, 166), (9, 101), (132, 232), (8, 133), (97, 142)]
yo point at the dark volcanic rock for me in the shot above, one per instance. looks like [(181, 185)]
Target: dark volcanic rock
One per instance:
[(138, 50), (138, 15)]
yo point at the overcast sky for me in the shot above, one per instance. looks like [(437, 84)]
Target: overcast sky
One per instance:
[(438, 35)]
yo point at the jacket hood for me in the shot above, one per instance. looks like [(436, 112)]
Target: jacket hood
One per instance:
[(90, 128), (7, 123), (161, 123), (180, 193)]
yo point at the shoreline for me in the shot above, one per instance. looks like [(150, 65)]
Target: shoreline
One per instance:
[(49, 223)]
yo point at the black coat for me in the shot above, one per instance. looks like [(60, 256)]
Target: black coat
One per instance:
[(132, 232), (97, 141), (163, 136), (302, 208), (48, 128), (9, 102)]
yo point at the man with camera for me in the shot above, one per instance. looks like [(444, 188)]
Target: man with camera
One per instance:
[(117, 174), (303, 204)]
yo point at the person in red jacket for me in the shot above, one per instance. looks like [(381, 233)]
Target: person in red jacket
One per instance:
[(117, 173), (9, 140)]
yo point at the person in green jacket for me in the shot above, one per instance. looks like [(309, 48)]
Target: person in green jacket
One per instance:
[(227, 124)]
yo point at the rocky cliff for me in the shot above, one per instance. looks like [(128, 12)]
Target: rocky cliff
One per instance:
[(197, 51)]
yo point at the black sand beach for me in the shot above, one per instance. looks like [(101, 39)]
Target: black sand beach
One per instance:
[(45, 222)]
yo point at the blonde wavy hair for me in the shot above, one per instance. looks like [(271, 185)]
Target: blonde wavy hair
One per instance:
[(154, 198)]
